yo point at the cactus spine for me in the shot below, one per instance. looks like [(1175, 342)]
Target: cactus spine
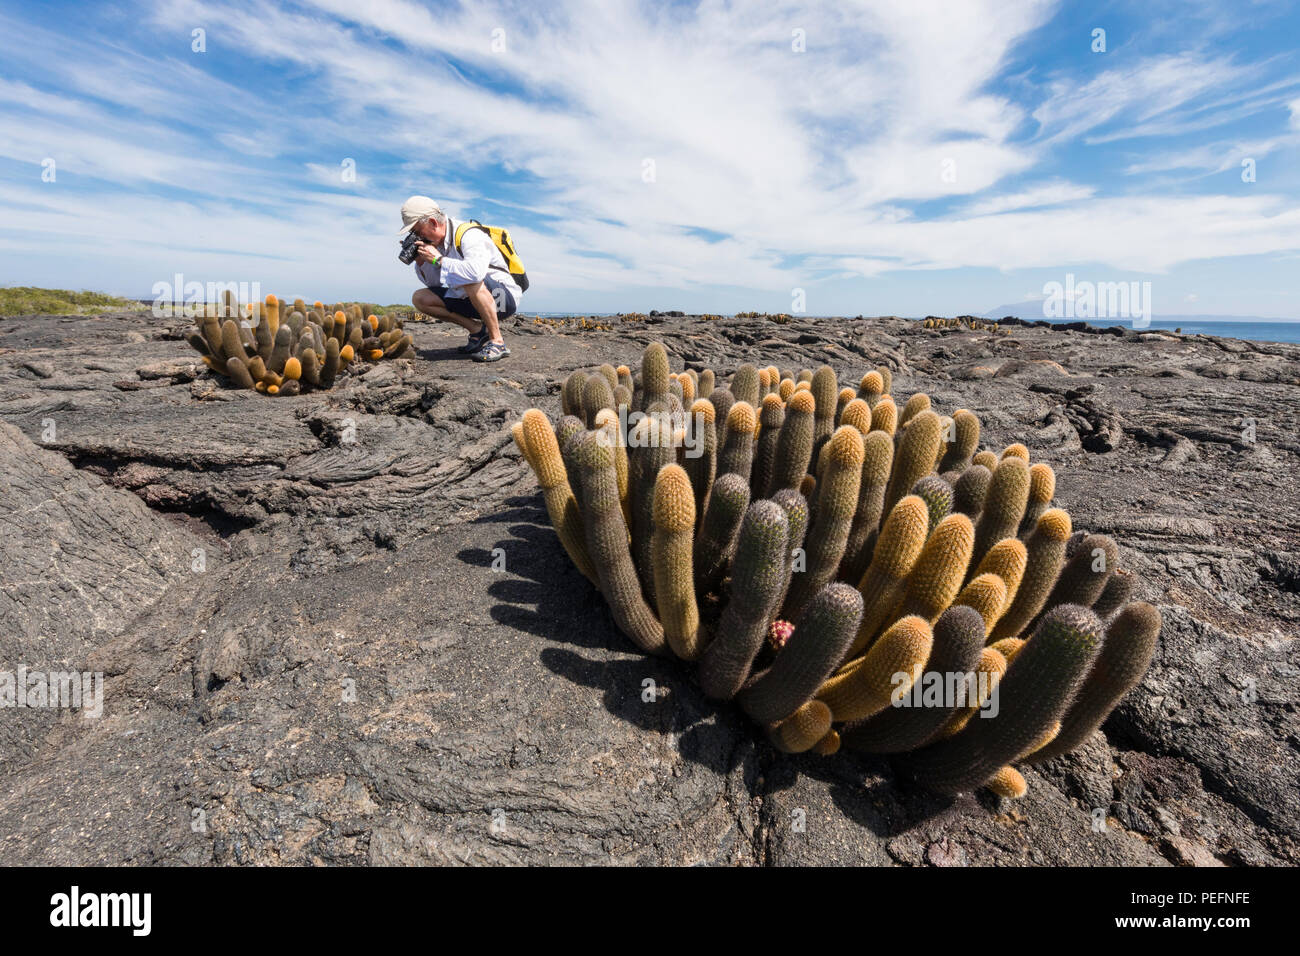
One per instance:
[(722, 400), (756, 575), (887, 672), (870, 388), (1045, 552), (918, 403), (1006, 559), (965, 441), (1032, 696), (542, 451), (1042, 487), (794, 444), (1016, 450), (1086, 573), (958, 641), (970, 489), (1116, 594), (940, 569), (717, 537), (1009, 783), (802, 730), (826, 391), (737, 454), (770, 419), (702, 467), (607, 545), (1004, 505), (280, 353), (918, 448), (1125, 655), (857, 414), (796, 514), (877, 461), (597, 394), (900, 544), (652, 450), (571, 395), (607, 423), (238, 372), (671, 545), (986, 594), (846, 395), (937, 495), (837, 498), (745, 385), (821, 636), (654, 374)]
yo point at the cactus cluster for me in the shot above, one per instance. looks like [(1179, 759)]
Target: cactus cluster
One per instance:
[(850, 573), (281, 349), (972, 322)]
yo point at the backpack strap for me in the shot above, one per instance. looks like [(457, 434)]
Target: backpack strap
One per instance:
[(465, 227)]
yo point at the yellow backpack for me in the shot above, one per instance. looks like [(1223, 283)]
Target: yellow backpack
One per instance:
[(501, 238)]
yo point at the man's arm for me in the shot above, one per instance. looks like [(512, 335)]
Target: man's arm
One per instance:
[(476, 247)]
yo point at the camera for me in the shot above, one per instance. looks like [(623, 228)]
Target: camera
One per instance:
[(406, 255)]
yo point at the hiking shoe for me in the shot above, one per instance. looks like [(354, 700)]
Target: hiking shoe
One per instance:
[(476, 341), (491, 352)]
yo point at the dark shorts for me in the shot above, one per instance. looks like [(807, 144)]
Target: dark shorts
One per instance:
[(505, 300)]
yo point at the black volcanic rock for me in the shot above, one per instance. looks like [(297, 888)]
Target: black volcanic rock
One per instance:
[(354, 676)]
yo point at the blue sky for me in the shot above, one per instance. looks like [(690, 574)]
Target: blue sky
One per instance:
[(885, 157)]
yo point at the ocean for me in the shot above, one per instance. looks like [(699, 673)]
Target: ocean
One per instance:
[(1245, 329)]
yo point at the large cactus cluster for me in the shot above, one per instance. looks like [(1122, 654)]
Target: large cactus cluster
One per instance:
[(277, 349), (852, 573)]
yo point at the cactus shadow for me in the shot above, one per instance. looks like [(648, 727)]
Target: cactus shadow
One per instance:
[(538, 590), (657, 696), (519, 508), (541, 593), (863, 787), (886, 805)]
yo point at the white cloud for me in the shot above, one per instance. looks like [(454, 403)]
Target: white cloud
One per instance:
[(1156, 95), (818, 155), (1047, 194)]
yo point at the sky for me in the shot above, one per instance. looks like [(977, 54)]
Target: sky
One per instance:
[(900, 157)]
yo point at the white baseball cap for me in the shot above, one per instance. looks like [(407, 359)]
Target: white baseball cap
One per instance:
[(415, 209)]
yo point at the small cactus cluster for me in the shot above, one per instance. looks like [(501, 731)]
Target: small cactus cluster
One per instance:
[(972, 322), (278, 349), (850, 572), (780, 318)]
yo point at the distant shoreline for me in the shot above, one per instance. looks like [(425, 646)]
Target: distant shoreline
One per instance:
[(1253, 330)]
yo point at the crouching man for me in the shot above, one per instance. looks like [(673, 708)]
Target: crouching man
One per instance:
[(467, 282)]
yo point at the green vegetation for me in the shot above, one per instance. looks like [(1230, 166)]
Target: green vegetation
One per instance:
[(29, 300)]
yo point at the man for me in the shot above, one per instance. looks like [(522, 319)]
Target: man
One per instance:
[(470, 286)]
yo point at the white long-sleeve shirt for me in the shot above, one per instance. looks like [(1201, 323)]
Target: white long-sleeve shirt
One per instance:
[(481, 258)]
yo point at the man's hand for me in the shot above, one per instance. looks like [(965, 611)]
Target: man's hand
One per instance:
[(426, 253)]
